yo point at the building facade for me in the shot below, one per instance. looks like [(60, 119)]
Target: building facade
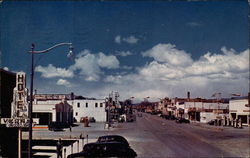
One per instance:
[(89, 108), (49, 107), (52, 111), (199, 109), (8, 140), (239, 109)]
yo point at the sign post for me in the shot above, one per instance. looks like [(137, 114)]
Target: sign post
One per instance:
[(19, 109), (19, 142)]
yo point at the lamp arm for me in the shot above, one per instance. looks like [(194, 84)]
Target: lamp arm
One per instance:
[(47, 50)]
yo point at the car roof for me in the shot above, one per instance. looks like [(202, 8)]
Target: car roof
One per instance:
[(111, 136), (104, 143)]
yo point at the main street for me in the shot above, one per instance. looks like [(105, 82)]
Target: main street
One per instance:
[(152, 136)]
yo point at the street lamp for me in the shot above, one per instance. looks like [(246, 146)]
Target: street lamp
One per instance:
[(31, 84)]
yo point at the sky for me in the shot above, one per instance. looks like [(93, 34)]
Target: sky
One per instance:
[(138, 48)]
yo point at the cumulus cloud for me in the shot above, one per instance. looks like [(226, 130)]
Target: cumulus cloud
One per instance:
[(226, 72), (6, 68), (167, 53), (90, 64), (130, 39), (112, 78), (225, 64), (51, 71), (127, 67), (159, 71), (86, 64), (63, 82), (118, 39), (123, 53), (110, 61)]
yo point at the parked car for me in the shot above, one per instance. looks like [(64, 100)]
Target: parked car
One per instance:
[(182, 120), (170, 117), (105, 149), (58, 126), (92, 119), (212, 122), (112, 138)]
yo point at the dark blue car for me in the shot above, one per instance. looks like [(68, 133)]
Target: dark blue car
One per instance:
[(105, 149)]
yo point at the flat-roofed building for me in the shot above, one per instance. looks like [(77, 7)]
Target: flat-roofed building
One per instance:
[(52, 111), (46, 108), (239, 109), (90, 108)]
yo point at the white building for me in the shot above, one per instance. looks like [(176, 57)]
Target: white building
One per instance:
[(44, 107), (198, 109), (89, 108), (52, 110), (239, 108)]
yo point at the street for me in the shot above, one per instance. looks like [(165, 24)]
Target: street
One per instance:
[(152, 136)]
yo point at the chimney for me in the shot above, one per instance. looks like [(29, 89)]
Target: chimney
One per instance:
[(188, 95)]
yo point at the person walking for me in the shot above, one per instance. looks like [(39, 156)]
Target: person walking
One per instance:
[(59, 148)]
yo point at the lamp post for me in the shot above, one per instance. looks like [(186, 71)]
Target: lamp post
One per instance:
[(31, 84)]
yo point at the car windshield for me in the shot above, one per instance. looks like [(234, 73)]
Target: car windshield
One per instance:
[(112, 139)]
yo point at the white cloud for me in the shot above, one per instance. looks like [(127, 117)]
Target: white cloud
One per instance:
[(167, 53), (113, 79), (129, 39), (63, 82), (51, 71), (123, 53), (87, 65), (127, 67), (6, 68), (90, 64), (118, 39), (158, 71), (225, 72), (193, 24), (107, 61), (227, 63)]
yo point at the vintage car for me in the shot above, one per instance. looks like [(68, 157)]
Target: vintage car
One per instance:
[(182, 120), (105, 149), (113, 138)]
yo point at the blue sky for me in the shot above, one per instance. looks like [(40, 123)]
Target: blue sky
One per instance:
[(149, 48)]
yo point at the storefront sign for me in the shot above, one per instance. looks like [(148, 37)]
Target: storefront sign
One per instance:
[(19, 105), (18, 122)]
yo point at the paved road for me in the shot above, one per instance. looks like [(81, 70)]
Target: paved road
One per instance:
[(152, 136)]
